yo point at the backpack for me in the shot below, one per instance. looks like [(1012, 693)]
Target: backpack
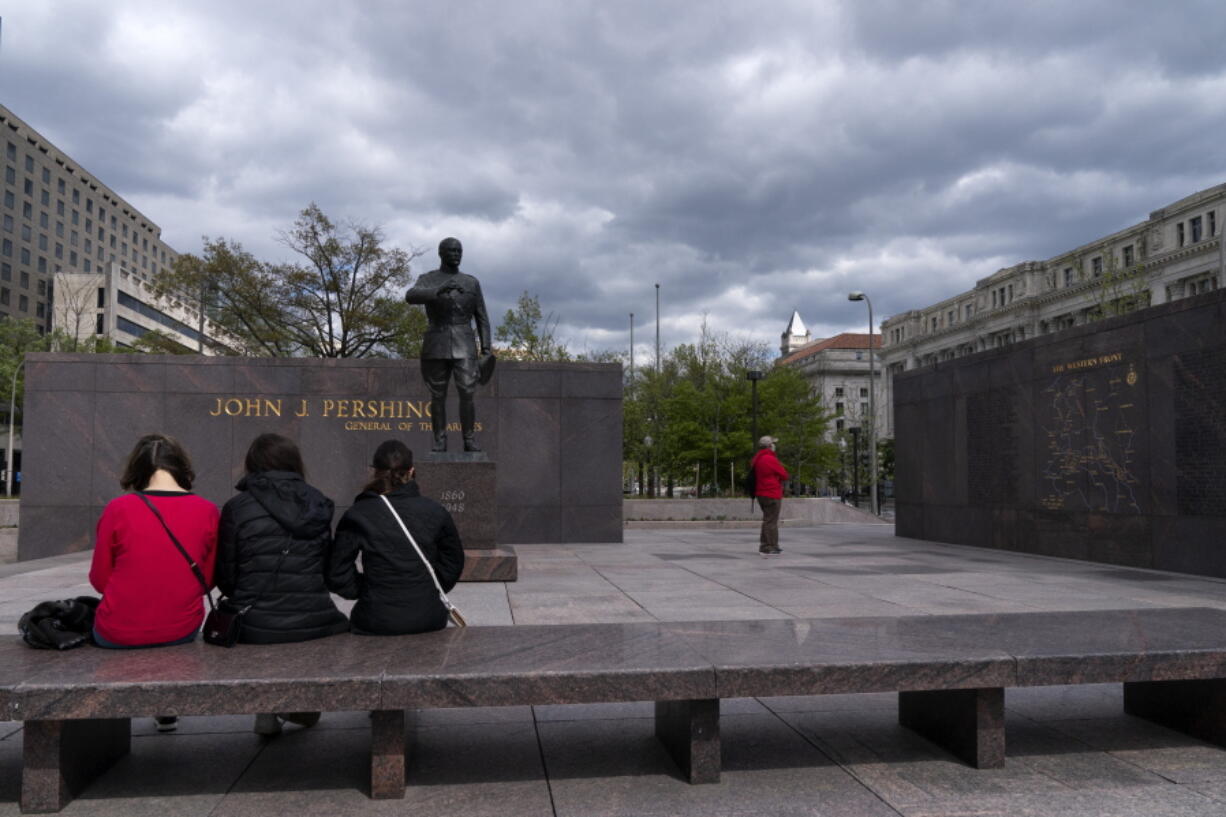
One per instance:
[(749, 482)]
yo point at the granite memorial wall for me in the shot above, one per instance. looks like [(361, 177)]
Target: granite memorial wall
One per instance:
[(551, 434), (1105, 442)]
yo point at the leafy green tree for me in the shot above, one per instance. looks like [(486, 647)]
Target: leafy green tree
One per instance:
[(698, 411), (344, 298), (529, 334), (17, 337)]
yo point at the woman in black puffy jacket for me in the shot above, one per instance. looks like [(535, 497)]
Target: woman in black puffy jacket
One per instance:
[(272, 552), (394, 591)]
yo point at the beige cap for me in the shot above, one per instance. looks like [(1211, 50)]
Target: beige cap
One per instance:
[(766, 441)]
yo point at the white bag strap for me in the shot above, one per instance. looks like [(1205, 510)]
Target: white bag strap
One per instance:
[(429, 568)]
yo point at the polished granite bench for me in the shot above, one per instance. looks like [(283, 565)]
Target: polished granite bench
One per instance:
[(950, 673)]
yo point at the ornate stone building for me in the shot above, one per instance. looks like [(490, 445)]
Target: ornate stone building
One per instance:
[(838, 370), (1175, 253)]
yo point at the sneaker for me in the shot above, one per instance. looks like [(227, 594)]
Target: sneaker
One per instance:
[(267, 724), (167, 723)]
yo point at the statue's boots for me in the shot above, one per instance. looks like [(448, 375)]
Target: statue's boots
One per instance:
[(468, 422), (438, 421)]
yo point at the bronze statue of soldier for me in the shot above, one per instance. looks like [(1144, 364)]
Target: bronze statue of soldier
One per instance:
[(449, 348)]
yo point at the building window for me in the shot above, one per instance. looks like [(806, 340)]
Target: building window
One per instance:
[(86, 264), (864, 392), (6, 272), (1096, 266), (100, 329), (25, 280), (10, 152), (4, 296), (838, 391), (10, 174), (1128, 256), (29, 164), (1212, 217), (10, 201), (864, 409), (838, 409), (40, 309), (934, 323), (42, 287), (1194, 229), (23, 304), (838, 424), (1179, 234), (6, 248), (25, 255)]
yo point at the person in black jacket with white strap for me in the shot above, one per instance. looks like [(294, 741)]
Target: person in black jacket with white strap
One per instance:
[(273, 547), (395, 593)]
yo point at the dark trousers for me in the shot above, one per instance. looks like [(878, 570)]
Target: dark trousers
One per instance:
[(436, 372), (769, 538)]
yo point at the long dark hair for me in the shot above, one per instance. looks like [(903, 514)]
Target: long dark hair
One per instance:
[(393, 462), (154, 451), (273, 452)]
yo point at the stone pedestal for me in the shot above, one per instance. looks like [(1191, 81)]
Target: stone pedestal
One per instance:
[(466, 485)]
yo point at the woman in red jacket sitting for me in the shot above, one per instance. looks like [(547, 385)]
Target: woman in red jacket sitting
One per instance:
[(151, 596)]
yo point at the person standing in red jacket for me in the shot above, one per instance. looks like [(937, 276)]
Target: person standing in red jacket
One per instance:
[(769, 475)]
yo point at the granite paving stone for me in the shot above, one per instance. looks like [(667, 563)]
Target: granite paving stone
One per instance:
[(616, 768), (164, 775), (1149, 801), (1148, 746)]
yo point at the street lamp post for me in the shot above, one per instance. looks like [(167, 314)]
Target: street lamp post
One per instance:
[(657, 328), (842, 467), (754, 377), (631, 348), (8, 471), (872, 410), (855, 465)]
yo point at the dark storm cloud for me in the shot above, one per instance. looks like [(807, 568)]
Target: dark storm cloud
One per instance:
[(752, 159)]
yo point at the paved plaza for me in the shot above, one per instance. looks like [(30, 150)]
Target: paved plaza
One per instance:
[(1071, 750)]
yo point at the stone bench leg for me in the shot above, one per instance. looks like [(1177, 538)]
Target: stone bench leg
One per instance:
[(689, 731), (1196, 708), (59, 758), (388, 754), (967, 723)]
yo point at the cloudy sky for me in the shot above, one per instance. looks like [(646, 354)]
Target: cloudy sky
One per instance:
[(751, 158)]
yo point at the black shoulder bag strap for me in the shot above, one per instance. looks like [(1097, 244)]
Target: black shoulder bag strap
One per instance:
[(204, 585)]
